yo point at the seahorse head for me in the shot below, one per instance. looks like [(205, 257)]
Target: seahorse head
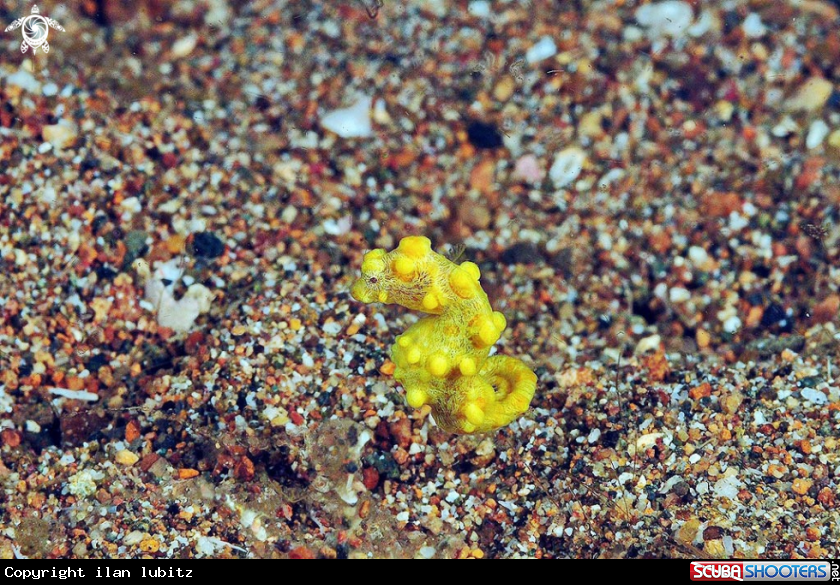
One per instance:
[(371, 286), (403, 276)]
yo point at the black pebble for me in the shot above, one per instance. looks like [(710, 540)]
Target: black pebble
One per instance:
[(207, 245), (834, 100), (521, 253), (96, 362), (731, 21), (165, 442), (106, 273), (98, 222), (610, 439), (772, 315), (483, 135)]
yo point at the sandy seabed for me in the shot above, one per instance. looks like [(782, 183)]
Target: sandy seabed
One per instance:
[(649, 189)]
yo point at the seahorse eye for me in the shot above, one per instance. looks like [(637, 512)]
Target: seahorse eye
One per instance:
[(373, 280)]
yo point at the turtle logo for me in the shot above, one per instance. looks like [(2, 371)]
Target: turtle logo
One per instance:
[(35, 29)]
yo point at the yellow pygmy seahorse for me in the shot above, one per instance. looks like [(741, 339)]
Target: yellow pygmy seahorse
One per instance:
[(443, 359)]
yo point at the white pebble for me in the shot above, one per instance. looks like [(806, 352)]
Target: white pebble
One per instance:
[(704, 24), (331, 328), (380, 112), (753, 27), (648, 343), (811, 96), (479, 8), (727, 487), (133, 537), (544, 49), (48, 195), (75, 394), (352, 122), (814, 396), (567, 166), (605, 241), (289, 214), (698, 256), (185, 46), (737, 222), (785, 127), (660, 291), (816, 134), (338, 227), (131, 204), (644, 443), (594, 435), (180, 315), (672, 481), (60, 135), (427, 552), (24, 80), (732, 324), (679, 295), (205, 546), (50, 89), (669, 18), (439, 8), (83, 483)]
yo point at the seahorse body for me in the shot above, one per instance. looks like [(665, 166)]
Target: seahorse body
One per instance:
[(443, 359)]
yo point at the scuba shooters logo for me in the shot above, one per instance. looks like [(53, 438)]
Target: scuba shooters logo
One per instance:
[(717, 571), (35, 28), (764, 571)]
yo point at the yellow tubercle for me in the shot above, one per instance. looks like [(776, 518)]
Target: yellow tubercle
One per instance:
[(467, 367), (416, 397), (472, 269), (462, 283), (499, 321), (438, 365), (404, 266), (487, 332), (415, 246), (443, 359), (413, 355), (373, 264), (474, 414), (430, 301)]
